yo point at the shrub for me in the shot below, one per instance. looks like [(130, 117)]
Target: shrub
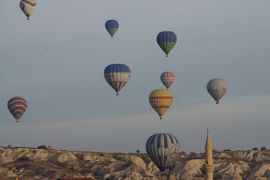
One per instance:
[(44, 147), (193, 155)]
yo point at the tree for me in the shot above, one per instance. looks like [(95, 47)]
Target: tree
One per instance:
[(193, 155), (44, 147)]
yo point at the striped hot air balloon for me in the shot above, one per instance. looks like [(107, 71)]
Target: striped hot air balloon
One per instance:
[(161, 100), (117, 76), (112, 26), (17, 106), (163, 149), (27, 7), (166, 41), (167, 78), (217, 88)]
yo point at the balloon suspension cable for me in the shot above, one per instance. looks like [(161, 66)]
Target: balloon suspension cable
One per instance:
[(167, 55), (17, 121)]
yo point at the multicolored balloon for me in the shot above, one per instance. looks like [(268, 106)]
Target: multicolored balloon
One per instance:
[(27, 7), (117, 76), (217, 88), (17, 106), (112, 26), (161, 100), (167, 78), (166, 41), (163, 149)]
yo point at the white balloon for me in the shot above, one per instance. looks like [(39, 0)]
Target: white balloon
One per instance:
[(217, 88)]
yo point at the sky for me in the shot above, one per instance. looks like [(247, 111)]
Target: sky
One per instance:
[(56, 62)]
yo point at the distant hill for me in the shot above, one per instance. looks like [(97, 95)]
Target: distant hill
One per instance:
[(50, 164)]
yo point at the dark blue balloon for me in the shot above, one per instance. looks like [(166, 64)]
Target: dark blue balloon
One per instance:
[(166, 41), (112, 26)]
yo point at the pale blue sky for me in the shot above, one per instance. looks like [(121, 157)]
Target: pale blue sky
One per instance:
[(56, 61)]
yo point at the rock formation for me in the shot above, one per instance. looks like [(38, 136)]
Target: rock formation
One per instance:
[(50, 164)]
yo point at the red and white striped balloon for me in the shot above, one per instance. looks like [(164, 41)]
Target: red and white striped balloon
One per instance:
[(17, 106), (167, 78)]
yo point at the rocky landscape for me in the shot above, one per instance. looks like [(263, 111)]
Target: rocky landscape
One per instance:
[(49, 164)]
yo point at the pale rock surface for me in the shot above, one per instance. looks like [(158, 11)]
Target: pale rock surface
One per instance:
[(32, 163), (138, 161), (64, 157), (89, 157)]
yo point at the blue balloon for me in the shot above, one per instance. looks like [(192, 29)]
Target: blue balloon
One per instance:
[(112, 26), (117, 76), (166, 41), (163, 150)]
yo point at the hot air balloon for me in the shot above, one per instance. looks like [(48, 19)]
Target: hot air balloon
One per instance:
[(17, 106), (161, 100), (167, 78), (163, 150), (217, 88), (166, 41), (112, 26), (28, 6), (117, 75)]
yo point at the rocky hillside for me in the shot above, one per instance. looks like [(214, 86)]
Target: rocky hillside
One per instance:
[(37, 163)]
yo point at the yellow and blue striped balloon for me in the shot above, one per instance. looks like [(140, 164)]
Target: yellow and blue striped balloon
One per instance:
[(117, 76)]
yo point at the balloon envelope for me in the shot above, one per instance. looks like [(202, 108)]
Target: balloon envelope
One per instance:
[(117, 76), (166, 41), (17, 106), (112, 26), (27, 7), (161, 100), (217, 88), (163, 150), (167, 78)]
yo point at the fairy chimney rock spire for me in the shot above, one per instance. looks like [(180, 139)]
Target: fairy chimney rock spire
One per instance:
[(209, 157)]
